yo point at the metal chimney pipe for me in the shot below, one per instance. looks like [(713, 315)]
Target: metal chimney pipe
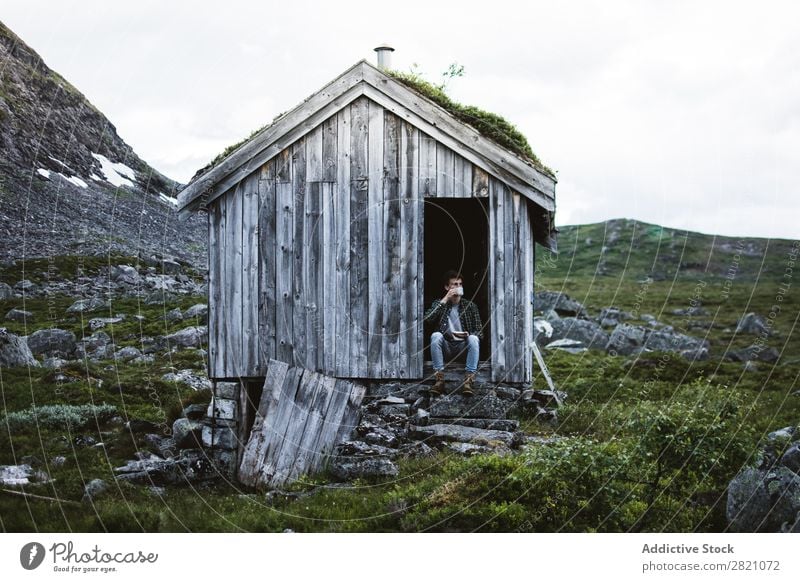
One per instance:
[(384, 56)]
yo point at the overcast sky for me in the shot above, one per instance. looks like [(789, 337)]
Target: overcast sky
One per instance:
[(685, 114)]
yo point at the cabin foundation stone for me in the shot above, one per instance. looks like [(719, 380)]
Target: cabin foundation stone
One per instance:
[(220, 432)]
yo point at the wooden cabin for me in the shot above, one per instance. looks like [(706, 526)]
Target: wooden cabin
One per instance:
[(329, 230)]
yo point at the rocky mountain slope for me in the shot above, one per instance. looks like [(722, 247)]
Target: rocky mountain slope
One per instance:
[(69, 184)]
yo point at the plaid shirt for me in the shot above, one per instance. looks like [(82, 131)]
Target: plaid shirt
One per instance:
[(467, 313)]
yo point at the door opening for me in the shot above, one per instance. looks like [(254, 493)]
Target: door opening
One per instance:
[(457, 237)]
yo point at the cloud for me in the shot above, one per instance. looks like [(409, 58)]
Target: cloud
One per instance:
[(681, 113)]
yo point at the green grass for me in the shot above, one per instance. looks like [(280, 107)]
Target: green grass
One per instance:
[(648, 443)]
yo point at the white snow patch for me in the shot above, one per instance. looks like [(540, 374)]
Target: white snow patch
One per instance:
[(63, 165), (75, 180), (43, 172), (167, 199), (118, 174)]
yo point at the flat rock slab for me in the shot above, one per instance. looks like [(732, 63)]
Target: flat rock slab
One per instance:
[(349, 468), (443, 433), (485, 423), (16, 475), (471, 449), (484, 404)]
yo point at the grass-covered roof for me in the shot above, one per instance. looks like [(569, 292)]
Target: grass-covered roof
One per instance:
[(489, 125)]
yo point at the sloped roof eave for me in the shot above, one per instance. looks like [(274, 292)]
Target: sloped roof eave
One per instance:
[(364, 79)]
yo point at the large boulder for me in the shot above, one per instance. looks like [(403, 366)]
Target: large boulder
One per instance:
[(766, 497), (668, 340), (96, 346), (561, 303), (586, 331), (764, 501), (753, 324), (188, 434), (627, 339), (18, 475), (759, 352), (14, 351), (189, 337), (19, 315), (52, 343), (125, 275), (198, 312), (357, 459), (6, 292), (189, 377), (87, 305), (612, 316)]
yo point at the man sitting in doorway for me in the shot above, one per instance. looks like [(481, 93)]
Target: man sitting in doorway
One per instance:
[(458, 332)]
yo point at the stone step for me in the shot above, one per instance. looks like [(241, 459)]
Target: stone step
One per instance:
[(504, 424), (484, 404), (438, 434)]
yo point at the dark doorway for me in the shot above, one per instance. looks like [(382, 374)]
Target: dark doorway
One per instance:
[(457, 237)]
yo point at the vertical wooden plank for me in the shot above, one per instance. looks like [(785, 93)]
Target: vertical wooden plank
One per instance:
[(480, 182), (359, 243), (527, 295), (352, 412), (284, 276), (314, 155), (224, 289), (376, 237), (409, 266), (214, 283), (232, 313), (337, 407), (277, 423), (311, 278), (392, 274), (419, 222), (234, 279), (250, 275), (255, 452), (497, 265), (317, 405), (359, 139), (509, 263), (298, 288), (341, 205), (445, 171), (518, 285), (307, 390), (327, 284), (268, 258), (283, 166), (462, 177), (329, 149), (427, 166)]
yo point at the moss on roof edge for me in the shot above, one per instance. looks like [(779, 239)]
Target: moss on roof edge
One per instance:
[(490, 125)]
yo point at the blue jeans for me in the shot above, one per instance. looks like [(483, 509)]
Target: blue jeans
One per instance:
[(442, 348)]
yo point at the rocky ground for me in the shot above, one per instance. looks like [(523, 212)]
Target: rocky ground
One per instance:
[(566, 325)]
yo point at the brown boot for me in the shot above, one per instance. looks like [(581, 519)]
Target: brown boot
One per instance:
[(466, 387), (438, 388)]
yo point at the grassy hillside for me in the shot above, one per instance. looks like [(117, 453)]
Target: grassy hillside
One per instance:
[(645, 443)]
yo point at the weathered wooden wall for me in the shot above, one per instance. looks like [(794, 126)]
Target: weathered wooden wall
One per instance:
[(511, 269), (316, 258)]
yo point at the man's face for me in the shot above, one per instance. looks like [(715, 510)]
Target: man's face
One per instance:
[(453, 284)]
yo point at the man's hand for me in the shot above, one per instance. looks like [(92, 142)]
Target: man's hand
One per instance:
[(450, 294), (461, 334)]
